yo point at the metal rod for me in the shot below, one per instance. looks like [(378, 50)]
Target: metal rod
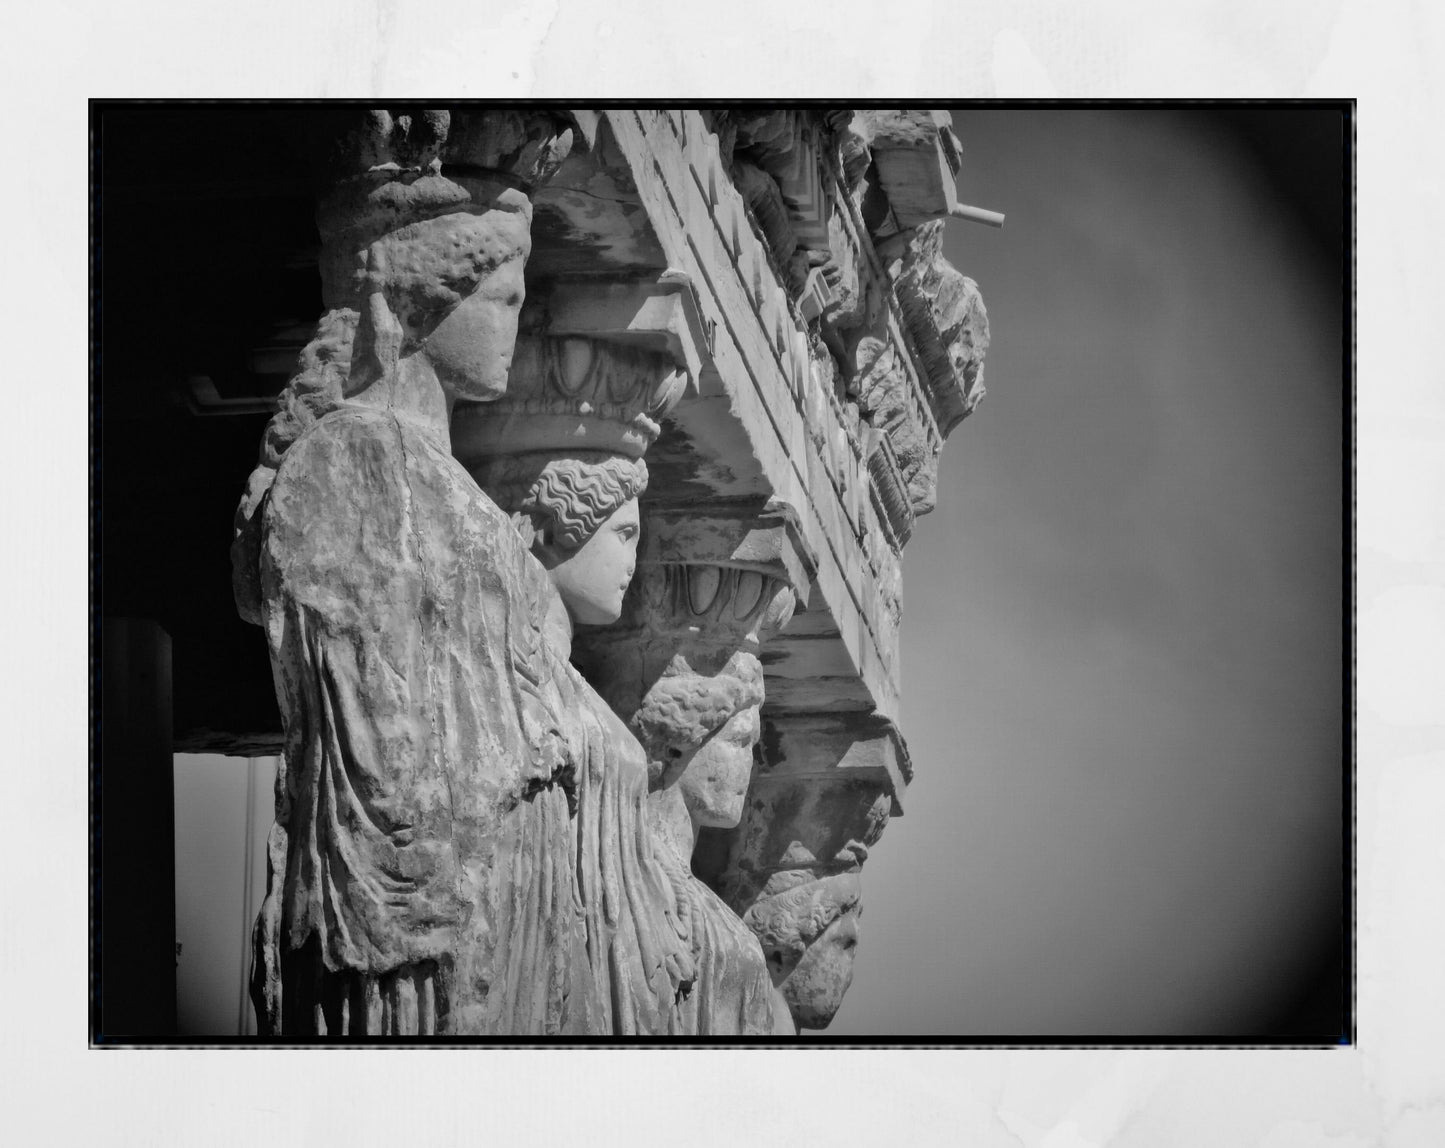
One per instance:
[(977, 215)]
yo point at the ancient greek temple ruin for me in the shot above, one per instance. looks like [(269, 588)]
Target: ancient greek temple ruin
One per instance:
[(567, 579)]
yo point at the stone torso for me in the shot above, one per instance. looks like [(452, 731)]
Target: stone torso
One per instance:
[(404, 622)]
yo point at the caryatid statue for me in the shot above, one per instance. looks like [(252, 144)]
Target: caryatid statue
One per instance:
[(683, 668), (563, 454), (819, 800), (419, 877)]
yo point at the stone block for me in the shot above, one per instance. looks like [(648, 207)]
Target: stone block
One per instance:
[(916, 159)]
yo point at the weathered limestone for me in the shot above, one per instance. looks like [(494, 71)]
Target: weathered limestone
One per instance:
[(847, 432), (525, 791)]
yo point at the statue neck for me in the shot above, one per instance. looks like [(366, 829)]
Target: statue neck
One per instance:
[(414, 393), (557, 626), (671, 820)]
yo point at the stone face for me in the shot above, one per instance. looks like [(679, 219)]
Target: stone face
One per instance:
[(679, 670), (404, 620), (572, 747), (808, 927)]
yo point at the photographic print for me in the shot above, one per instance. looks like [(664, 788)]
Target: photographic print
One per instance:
[(564, 577)]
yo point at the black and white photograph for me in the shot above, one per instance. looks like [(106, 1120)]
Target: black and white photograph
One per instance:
[(866, 572), (591, 626)]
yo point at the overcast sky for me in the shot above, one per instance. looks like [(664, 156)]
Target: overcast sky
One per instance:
[(1122, 634)]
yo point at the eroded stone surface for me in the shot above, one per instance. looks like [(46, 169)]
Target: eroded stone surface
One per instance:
[(944, 313), (392, 592), (916, 157)]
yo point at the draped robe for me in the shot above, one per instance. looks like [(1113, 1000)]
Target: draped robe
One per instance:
[(637, 940), (421, 862)]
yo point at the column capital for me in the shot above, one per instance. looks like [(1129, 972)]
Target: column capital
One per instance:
[(660, 314), (761, 536), (570, 394)]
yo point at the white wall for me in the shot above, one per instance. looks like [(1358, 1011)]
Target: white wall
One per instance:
[(224, 809)]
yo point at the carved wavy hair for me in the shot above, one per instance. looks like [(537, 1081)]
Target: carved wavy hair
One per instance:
[(788, 921), (411, 279), (683, 709), (564, 500), (414, 276)]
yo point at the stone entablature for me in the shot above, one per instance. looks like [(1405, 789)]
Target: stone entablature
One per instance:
[(887, 366), (862, 343), (804, 448)]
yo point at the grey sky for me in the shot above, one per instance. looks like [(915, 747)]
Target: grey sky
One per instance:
[(1122, 637)]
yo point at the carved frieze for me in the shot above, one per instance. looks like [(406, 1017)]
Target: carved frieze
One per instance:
[(895, 507), (910, 334), (764, 355), (944, 314)]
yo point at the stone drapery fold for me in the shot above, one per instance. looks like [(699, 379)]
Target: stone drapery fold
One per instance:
[(422, 831)]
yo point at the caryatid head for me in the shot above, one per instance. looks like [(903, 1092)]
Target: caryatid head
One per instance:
[(808, 928), (699, 730), (425, 224), (562, 453), (425, 230), (699, 628), (580, 514)]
